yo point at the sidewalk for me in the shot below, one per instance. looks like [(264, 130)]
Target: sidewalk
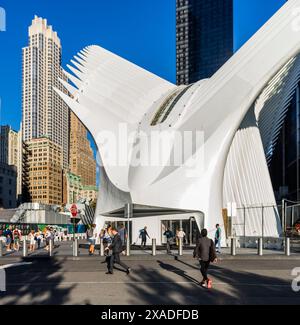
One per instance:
[(64, 250)]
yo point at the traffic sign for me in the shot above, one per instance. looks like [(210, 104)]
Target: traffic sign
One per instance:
[(74, 210)]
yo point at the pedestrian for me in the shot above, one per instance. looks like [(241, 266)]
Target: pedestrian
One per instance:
[(143, 236), (218, 238), (8, 243), (48, 238), (116, 248), (32, 240), (17, 237), (181, 235), (91, 236), (38, 236), (123, 234), (206, 252), (107, 240), (9, 238), (170, 236)]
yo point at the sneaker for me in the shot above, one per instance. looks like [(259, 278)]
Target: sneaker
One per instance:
[(128, 271), (110, 273), (203, 284), (209, 284)]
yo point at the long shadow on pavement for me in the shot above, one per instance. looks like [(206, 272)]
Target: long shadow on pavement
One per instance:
[(36, 284), (176, 286)]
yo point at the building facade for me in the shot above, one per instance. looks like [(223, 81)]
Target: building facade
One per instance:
[(11, 153), (204, 36), (9, 146), (44, 165), (8, 186), (82, 161), (89, 193), (73, 187), (44, 113)]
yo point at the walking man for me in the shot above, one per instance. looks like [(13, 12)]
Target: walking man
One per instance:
[(218, 238), (144, 235), (169, 234), (206, 252), (116, 247)]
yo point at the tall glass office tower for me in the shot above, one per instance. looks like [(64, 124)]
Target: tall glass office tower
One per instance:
[(204, 34)]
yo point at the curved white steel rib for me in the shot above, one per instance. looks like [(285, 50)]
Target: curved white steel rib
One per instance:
[(113, 91)]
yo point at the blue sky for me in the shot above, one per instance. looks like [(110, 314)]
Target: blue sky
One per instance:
[(142, 31)]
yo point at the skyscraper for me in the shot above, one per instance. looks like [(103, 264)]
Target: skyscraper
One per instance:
[(44, 113), (204, 35), (82, 161)]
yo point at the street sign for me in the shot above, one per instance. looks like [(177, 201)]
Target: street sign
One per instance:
[(74, 210)]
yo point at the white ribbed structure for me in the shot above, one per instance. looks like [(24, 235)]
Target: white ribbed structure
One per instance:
[(111, 90), (271, 106)]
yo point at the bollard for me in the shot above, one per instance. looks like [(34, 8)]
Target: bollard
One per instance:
[(260, 247), (128, 247), (75, 247), (1, 248), (180, 247), (25, 248), (153, 247), (51, 246), (288, 246), (233, 246), (101, 248)]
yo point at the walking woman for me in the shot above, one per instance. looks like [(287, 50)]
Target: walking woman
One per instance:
[(32, 240)]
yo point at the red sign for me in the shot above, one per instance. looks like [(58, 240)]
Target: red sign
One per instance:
[(74, 210)]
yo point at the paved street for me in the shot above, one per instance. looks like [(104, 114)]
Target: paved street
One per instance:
[(154, 280)]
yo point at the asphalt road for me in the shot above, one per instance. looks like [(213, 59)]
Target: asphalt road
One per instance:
[(156, 280)]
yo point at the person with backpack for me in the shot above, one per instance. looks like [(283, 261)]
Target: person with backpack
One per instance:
[(205, 251), (218, 238), (116, 248), (169, 234), (143, 236)]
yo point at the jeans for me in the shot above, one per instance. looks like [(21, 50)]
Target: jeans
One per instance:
[(169, 245), (218, 244), (204, 269), (115, 259)]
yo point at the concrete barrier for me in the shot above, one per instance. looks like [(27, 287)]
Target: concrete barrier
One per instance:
[(260, 247), (288, 246), (233, 246), (153, 247), (51, 247), (180, 247), (25, 247), (75, 248)]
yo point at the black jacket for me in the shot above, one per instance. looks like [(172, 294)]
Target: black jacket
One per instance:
[(116, 245), (205, 250)]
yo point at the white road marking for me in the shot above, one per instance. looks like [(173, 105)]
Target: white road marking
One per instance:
[(8, 266)]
